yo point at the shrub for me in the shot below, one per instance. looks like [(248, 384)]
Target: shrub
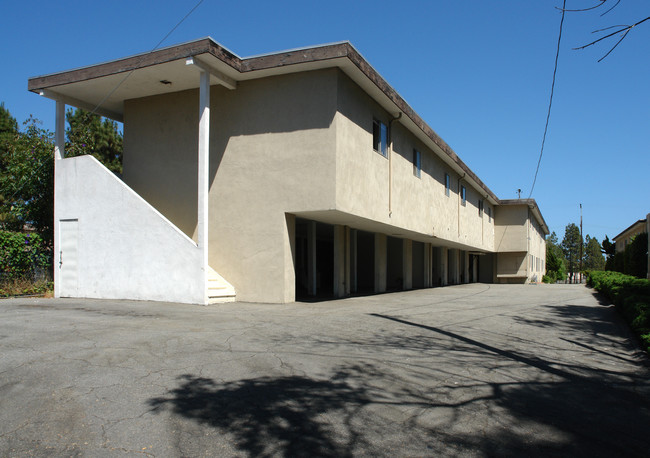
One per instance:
[(631, 296), (21, 255)]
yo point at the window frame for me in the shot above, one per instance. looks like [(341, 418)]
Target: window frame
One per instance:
[(380, 137), (447, 184), (417, 163), (463, 195)]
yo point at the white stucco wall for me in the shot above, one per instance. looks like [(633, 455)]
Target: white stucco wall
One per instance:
[(126, 249)]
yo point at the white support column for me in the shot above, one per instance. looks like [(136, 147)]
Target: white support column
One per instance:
[(203, 170), (59, 130), (59, 153)]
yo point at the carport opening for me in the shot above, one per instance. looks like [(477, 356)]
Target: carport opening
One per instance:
[(418, 265), (365, 262), (436, 271), (395, 267), (314, 265)]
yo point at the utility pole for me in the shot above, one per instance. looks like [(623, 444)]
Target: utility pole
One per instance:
[(581, 243)]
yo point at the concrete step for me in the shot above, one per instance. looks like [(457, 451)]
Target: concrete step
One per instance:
[(219, 290)]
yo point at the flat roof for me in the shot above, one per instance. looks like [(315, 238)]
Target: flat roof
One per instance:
[(104, 87), (632, 226)]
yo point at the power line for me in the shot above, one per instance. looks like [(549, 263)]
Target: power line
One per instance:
[(152, 50), (550, 102)]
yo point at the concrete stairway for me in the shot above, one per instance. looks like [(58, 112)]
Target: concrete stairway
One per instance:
[(219, 290)]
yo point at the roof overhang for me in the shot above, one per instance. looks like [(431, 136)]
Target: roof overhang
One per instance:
[(103, 88), (638, 226)]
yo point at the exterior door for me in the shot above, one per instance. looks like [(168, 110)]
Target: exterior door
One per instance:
[(68, 262)]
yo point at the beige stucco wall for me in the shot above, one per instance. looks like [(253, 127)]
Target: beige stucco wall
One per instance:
[(386, 190), (520, 244), (510, 228), (624, 238), (536, 248), (294, 144), (272, 152)]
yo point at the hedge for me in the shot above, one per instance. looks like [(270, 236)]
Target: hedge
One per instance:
[(631, 296)]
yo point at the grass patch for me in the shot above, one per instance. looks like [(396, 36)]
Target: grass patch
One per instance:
[(24, 287), (631, 296)]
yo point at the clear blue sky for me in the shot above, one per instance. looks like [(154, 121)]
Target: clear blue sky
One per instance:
[(478, 72)]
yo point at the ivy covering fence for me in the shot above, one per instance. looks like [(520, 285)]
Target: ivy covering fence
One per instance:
[(24, 257)]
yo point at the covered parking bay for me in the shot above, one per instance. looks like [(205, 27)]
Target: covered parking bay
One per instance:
[(337, 260)]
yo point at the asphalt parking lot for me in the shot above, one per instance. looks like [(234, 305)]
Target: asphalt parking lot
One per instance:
[(471, 370)]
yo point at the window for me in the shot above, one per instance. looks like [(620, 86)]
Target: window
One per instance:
[(463, 195), (380, 137), (417, 163), (480, 207), (489, 213), (447, 184)]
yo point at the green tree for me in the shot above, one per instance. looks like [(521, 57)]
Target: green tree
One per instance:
[(593, 259), (571, 248), (90, 134), (8, 130), (8, 133), (609, 250), (27, 181), (555, 266), (636, 256)]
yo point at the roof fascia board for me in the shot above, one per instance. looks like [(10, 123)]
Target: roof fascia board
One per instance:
[(81, 104), (132, 63)]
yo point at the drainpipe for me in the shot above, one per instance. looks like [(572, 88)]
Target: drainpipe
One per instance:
[(390, 163)]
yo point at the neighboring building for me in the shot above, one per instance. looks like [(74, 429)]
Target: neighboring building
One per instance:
[(628, 234), (639, 227), (301, 173)]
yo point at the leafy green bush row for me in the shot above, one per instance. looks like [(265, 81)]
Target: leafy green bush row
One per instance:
[(631, 296)]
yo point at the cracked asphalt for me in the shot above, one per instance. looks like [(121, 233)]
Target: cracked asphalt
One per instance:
[(470, 370)]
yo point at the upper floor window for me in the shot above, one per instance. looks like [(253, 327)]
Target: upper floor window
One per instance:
[(463, 195), (417, 163), (480, 207), (489, 213), (447, 184), (380, 137)]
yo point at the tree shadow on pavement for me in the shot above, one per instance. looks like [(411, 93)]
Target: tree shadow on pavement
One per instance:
[(597, 326), (286, 416), (420, 390)]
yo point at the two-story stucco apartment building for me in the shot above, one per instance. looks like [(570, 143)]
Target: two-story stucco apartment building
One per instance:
[(301, 173)]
